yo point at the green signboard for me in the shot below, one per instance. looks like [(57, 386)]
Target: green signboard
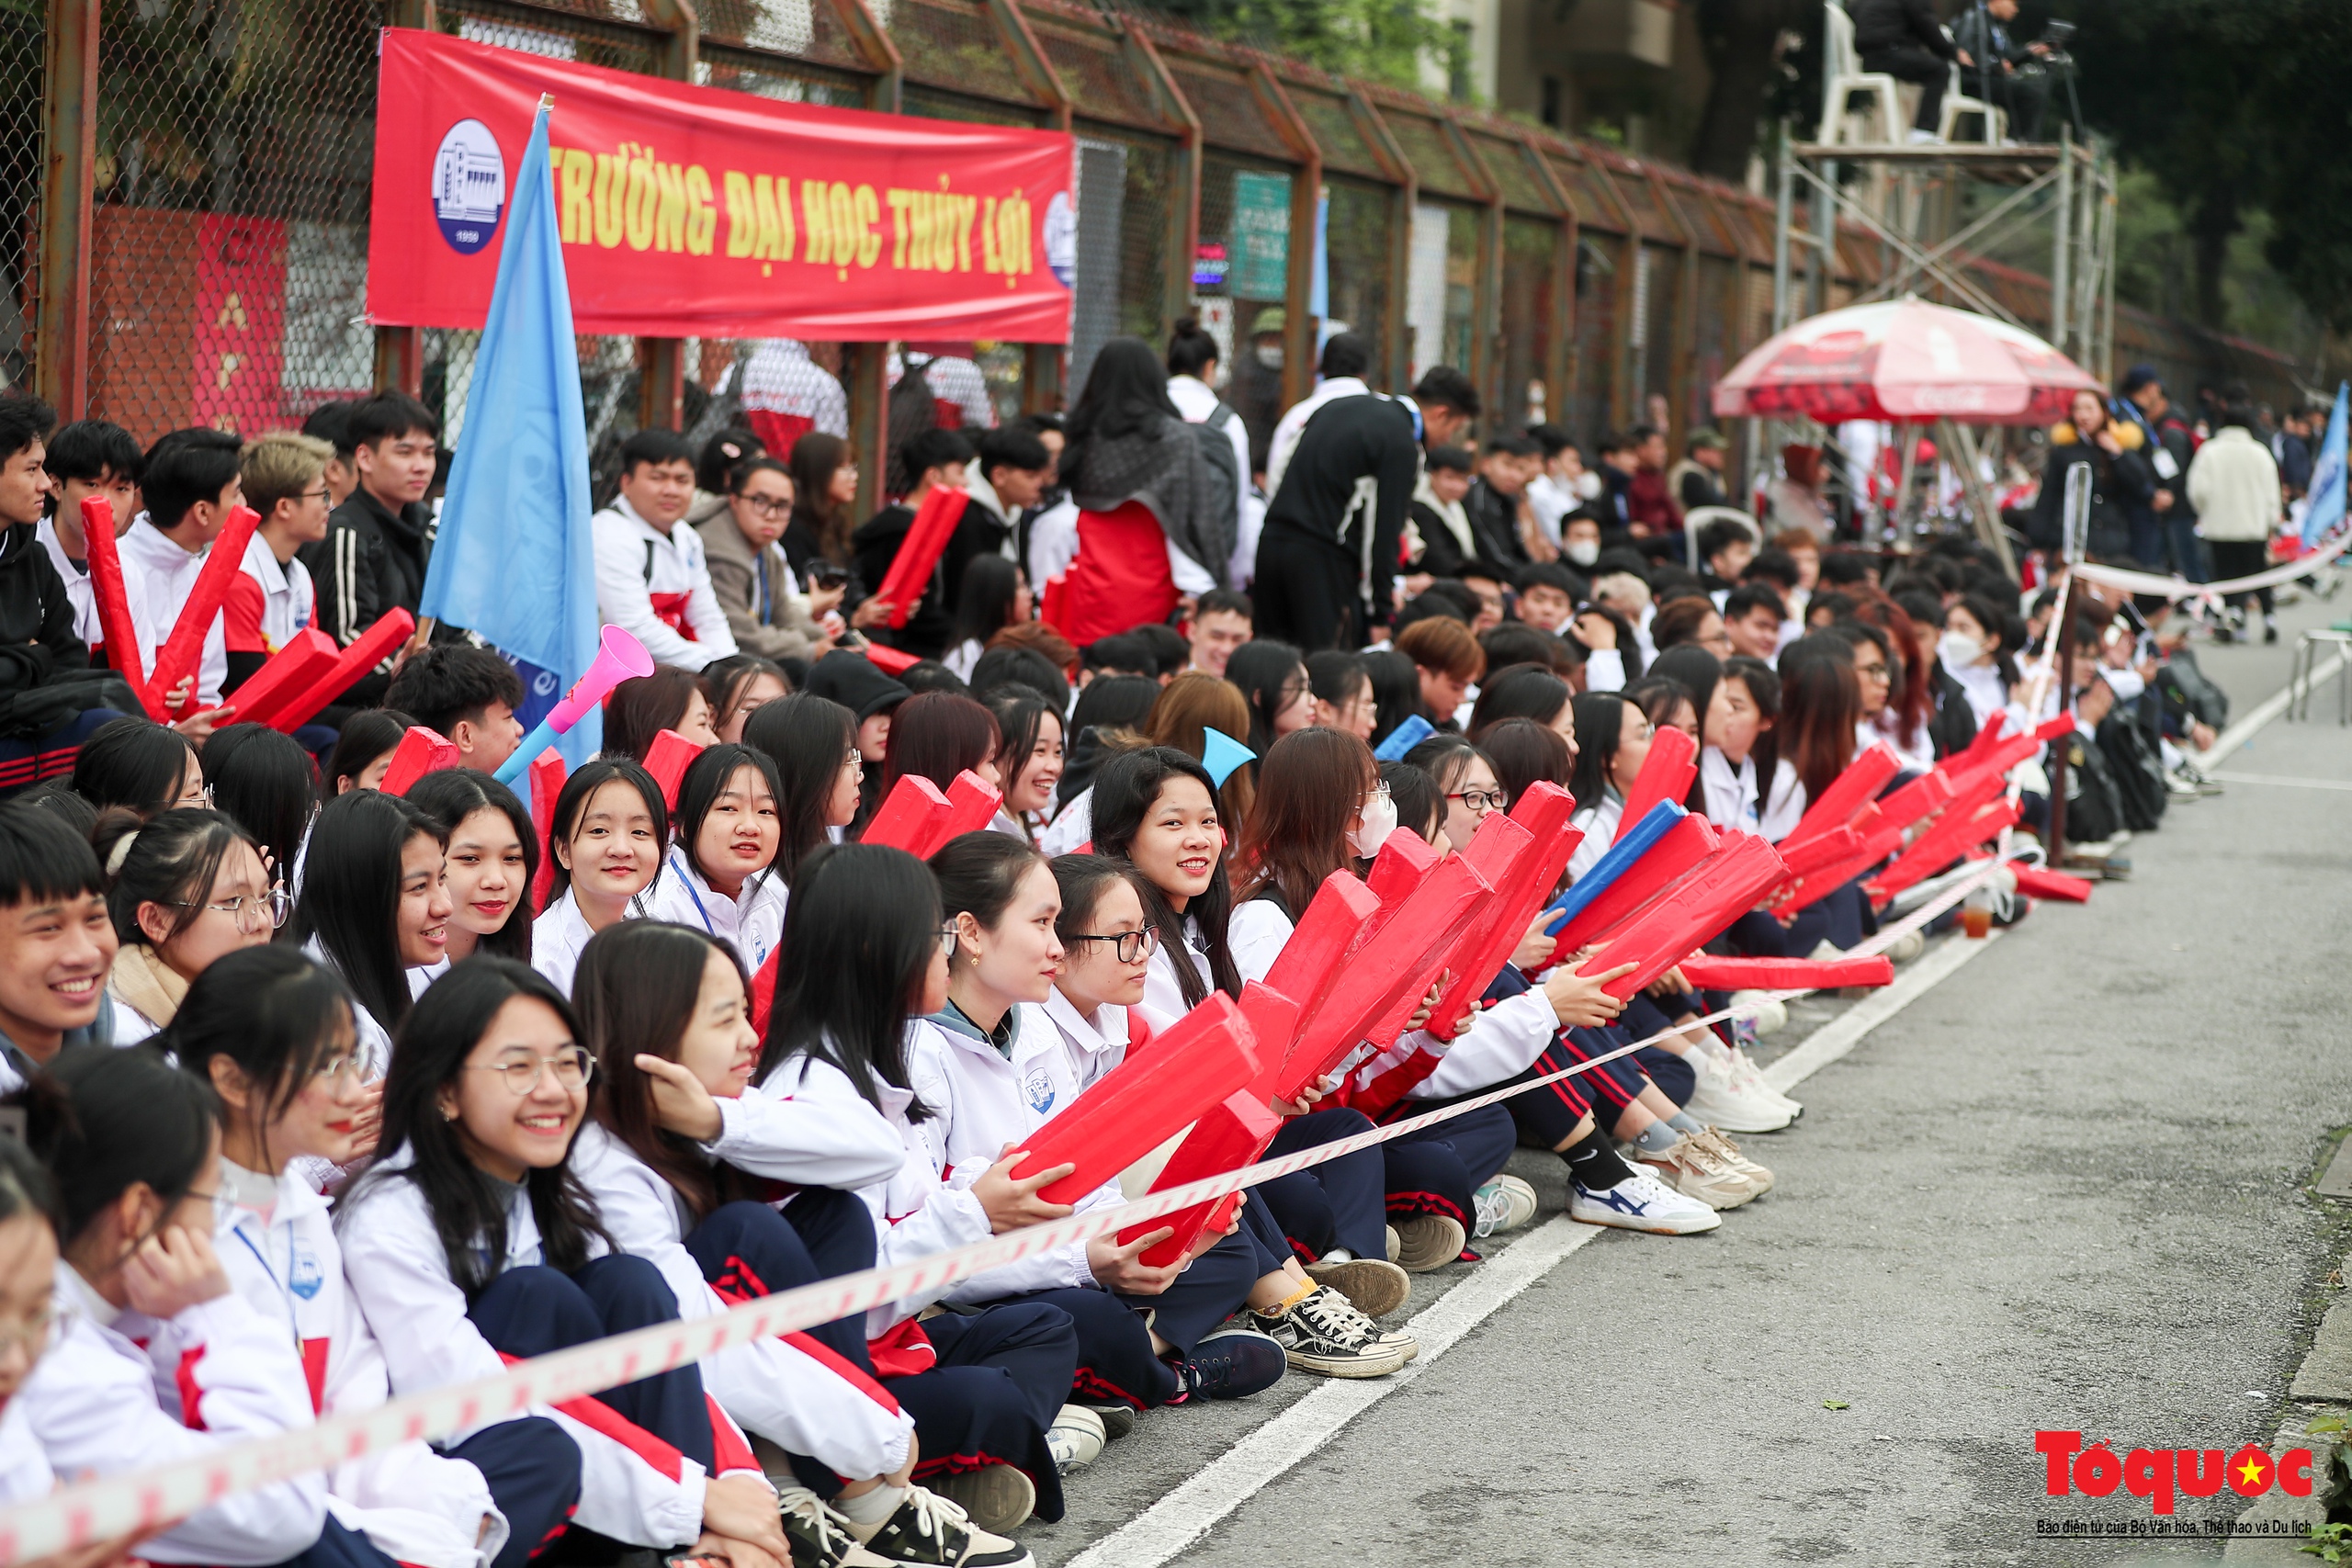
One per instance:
[(1260, 250)]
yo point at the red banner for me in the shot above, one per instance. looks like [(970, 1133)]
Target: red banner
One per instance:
[(695, 212)]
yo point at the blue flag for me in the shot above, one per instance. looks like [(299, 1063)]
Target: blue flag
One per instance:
[(2325, 513), (514, 560)]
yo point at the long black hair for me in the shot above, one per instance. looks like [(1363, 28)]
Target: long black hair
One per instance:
[(705, 780), (103, 1121), (1125, 394), (134, 762), (984, 602), (468, 1213), (1125, 792), (366, 736), (270, 1010), (807, 737), (1396, 691), (858, 941), (268, 784), (449, 796), (351, 894), (979, 872), (1600, 729), (1264, 670)]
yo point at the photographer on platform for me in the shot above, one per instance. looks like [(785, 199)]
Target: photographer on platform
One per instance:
[(1903, 39), (2012, 76)]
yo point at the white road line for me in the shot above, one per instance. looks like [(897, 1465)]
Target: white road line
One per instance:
[(2282, 779), (1184, 1516), (1164, 1530), (2262, 713), (1842, 1033)]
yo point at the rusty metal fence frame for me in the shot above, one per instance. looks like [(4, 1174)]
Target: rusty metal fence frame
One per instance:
[(1696, 253)]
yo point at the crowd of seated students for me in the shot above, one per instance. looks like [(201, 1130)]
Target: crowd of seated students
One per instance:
[(444, 1087)]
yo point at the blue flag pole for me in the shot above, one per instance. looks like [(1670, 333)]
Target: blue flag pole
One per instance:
[(513, 560)]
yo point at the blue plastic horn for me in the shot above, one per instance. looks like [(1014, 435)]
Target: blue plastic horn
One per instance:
[(1221, 754)]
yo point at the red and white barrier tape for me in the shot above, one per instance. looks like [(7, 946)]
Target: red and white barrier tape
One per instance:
[(2177, 588), (152, 1500)]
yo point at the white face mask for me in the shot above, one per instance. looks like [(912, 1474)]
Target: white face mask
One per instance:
[(1270, 355), (1588, 484), (1379, 820), (1584, 552), (1958, 650)]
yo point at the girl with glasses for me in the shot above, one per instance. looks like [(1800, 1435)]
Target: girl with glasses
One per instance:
[(471, 1240), (188, 888), (991, 1069), (662, 1007), (154, 1357), (718, 875), (1465, 777), (1107, 943), (271, 1032), (610, 835), (375, 904)]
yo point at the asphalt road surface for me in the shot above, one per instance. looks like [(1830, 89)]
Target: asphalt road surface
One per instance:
[(2061, 1188)]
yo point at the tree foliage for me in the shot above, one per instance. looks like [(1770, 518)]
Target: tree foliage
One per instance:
[(1379, 40)]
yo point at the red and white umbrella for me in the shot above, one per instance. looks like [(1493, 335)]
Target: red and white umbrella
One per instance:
[(1903, 359)]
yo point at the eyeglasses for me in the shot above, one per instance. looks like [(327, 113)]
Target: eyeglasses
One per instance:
[(1377, 792), (201, 796), (1873, 671), (350, 1064), (766, 505), (1128, 947), (856, 760), (573, 1070), (1479, 799), (251, 911), (29, 1333), (947, 942), (325, 495)]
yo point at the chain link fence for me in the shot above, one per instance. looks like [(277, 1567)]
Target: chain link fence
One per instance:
[(23, 151)]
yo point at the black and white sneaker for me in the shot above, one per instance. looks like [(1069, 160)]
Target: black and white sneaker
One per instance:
[(1325, 1334), (1230, 1363), (930, 1530), (819, 1536)]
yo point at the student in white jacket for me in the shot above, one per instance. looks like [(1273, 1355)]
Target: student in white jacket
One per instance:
[(375, 906), (662, 1006), (136, 1155), (470, 1241), (29, 1282), (719, 873), (491, 862), (652, 578), (272, 1033), (610, 834)]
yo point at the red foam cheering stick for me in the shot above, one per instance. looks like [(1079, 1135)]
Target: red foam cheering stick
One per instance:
[(121, 632), (972, 802), (546, 774), (421, 751), (2040, 884), (182, 651), (1665, 773), (1847, 794), (1233, 1133), (1664, 933), (667, 760), (1337, 919), (367, 650), (910, 574), (889, 661), (1712, 974), (1686, 844), (308, 654), (909, 816), (1404, 859), (1206, 1054)]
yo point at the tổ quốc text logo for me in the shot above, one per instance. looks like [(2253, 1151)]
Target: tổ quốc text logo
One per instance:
[(2160, 1475)]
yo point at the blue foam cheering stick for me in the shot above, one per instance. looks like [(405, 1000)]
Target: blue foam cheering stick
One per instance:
[(1221, 755), (1629, 848), (1403, 739)]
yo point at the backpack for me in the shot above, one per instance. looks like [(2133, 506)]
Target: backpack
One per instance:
[(1224, 483), (2137, 770), (2093, 813)]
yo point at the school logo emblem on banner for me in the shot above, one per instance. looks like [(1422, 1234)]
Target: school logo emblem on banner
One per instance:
[(468, 187)]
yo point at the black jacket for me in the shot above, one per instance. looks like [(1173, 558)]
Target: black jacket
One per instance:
[(1440, 551), (1899, 24), (875, 545), (371, 561), (1348, 440), (2119, 485), (1494, 528), (1953, 724), (45, 674)]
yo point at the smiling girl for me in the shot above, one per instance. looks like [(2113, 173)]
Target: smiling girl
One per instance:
[(718, 875), (610, 832), (272, 1033), (374, 906), (189, 888), (1156, 811), (493, 857), (471, 1240), (662, 1008)]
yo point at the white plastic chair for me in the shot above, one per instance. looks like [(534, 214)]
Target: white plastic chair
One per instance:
[(1843, 76), (1956, 104)]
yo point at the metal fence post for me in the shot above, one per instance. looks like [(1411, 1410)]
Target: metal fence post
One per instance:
[(661, 361), (62, 329)]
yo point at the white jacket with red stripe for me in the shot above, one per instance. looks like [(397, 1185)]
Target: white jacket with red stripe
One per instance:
[(633, 1486), (791, 1390), (915, 1214), (279, 1248), (92, 1405)]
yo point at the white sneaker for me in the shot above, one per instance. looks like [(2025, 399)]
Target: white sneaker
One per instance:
[(1750, 1077), (1503, 1205), (1694, 1170), (1722, 1101), (1076, 1437), (1642, 1202), (1906, 947), (1771, 1015)]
